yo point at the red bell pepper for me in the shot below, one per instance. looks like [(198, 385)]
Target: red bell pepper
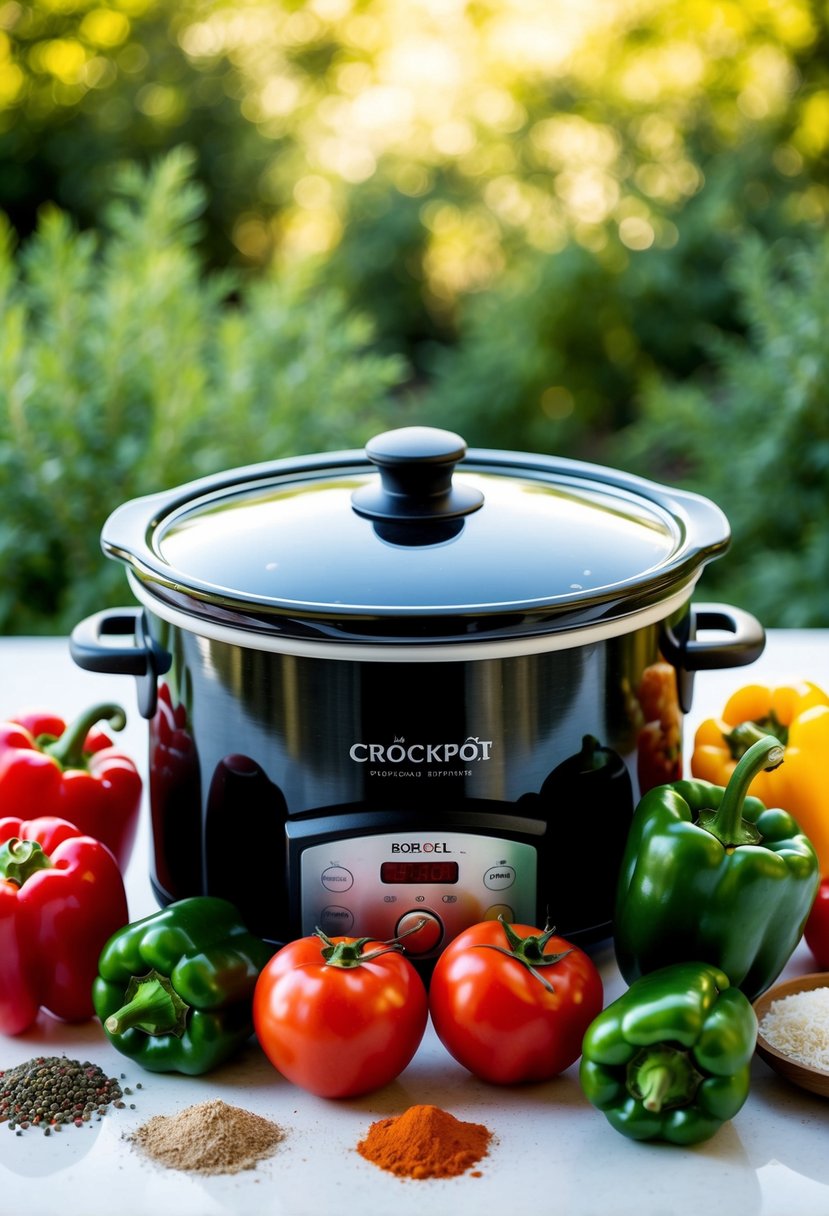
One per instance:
[(61, 898), (816, 932), (75, 773)]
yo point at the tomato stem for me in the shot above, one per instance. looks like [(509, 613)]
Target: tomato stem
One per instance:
[(349, 953), (528, 951)]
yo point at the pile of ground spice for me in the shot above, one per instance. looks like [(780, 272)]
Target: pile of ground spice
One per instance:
[(50, 1091), (209, 1138), (425, 1142)]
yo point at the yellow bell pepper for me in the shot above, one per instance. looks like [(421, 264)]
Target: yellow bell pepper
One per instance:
[(798, 714)]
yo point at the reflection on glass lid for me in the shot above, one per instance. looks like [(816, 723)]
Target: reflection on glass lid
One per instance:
[(531, 541)]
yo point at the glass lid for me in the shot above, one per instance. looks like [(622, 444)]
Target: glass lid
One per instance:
[(417, 537)]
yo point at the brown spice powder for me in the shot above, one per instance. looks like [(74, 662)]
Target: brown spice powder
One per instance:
[(209, 1138), (425, 1142)]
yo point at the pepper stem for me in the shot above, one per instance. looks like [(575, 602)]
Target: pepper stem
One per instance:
[(741, 737), (20, 859), (152, 1005), (68, 749), (727, 822), (655, 1085), (662, 1078)]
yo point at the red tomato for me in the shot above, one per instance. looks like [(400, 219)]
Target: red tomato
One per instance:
[(493, 1008), (816, 932), (339, 1016)]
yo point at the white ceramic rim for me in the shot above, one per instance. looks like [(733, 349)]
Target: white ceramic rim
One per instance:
[(462, 651)]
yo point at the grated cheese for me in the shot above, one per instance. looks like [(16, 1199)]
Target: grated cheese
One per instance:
[(798, 1026)]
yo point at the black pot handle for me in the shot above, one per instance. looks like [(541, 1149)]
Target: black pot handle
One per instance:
[(689, 654), (90, 647)]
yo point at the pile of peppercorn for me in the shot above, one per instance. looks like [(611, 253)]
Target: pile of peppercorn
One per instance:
[(50, 1091)]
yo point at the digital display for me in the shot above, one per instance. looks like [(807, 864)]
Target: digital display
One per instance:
[(419, 871)]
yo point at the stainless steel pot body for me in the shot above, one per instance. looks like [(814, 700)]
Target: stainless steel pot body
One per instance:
[(351, 790)]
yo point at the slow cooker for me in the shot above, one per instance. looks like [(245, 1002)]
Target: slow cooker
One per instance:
[(410, 687)]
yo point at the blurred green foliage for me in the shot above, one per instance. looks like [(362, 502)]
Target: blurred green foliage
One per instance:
[(553, 358), (523, 217), (125, 368), (752, 433), (86, 87)]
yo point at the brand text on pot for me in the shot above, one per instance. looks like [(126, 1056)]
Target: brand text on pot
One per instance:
[(471, 750)]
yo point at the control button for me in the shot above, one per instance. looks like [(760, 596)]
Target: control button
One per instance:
[(336, 921), (496, 910), (499, 877), (424, 939), (337, 878)]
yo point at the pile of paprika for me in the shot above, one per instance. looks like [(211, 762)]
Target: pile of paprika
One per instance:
[(425, 1142)]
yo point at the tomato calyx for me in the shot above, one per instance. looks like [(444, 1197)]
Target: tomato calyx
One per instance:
[(349, 953), (528, 951)]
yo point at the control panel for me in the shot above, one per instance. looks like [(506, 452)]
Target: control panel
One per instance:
[(387, 885)]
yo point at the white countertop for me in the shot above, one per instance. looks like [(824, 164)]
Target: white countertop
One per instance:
[(553, 1152)]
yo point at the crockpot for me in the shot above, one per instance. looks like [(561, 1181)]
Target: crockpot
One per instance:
[(404, 689)]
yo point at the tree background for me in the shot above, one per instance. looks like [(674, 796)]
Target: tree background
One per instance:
[(596, 230)]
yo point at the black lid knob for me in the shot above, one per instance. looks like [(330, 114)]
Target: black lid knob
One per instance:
[(416, 464)]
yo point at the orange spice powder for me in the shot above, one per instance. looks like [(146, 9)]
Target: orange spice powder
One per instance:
[(425, 1142)]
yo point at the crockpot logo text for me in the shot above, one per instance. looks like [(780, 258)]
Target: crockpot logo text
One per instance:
[(405, 759)]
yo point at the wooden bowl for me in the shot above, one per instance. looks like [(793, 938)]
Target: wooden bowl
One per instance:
[(804, 1075)]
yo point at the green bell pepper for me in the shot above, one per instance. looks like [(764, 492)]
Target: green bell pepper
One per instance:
[(174, 990), (709, 873), (671, 1058)]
